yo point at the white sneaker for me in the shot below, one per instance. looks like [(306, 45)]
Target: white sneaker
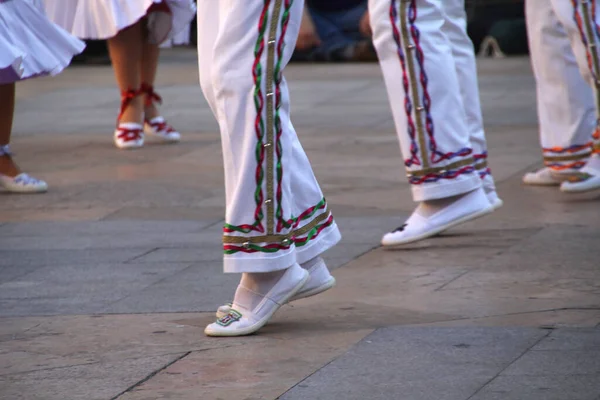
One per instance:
[(470, 206), (240, 322), (546, 177), (159, 128), (129, 135), (23, 183), (319, 280), (582, 182)]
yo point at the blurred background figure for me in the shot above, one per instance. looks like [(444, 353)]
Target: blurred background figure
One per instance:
[(134, 29), (30, 46), (566, 64), (335, 30)]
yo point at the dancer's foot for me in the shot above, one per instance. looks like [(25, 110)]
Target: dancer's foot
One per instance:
[(586, 180), (433, 217), (15, 181), (547, 177), (129, 135), (159, 128), (257, 298), (319, 280), (154, 124)]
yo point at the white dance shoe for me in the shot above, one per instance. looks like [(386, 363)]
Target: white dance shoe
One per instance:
[(319, 280), (159, 128), (472, 205), (23, 183), (546, 177), (239, 321), (129, 135), (581, 182)]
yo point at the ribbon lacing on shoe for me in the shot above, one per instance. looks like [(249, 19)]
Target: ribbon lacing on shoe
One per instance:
[(129, 135), (161, 126), (151, 95), (127, 97), (26, 180), (5, 151)]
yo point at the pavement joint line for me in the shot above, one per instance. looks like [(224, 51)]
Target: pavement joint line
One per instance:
[(49, 368), (141, 255), (21, 276), (548, 331), (437, 289), (500, 252), (151, 375), (324, 365), (516, 313)]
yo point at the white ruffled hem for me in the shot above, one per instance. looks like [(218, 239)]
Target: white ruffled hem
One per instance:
[(31, 45), (103, 19)]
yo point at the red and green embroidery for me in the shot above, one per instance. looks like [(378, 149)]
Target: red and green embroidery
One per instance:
[(293, 222), (231, 317), (284, 245), (259, 128)]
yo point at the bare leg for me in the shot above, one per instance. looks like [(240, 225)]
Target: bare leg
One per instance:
[(126, 55), (7, 109), (150, 54)]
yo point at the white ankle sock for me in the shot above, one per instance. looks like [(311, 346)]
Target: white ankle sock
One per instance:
[(254, 286), (428, 208)]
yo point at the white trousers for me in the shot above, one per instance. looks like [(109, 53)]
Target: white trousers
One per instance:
[(428, 64), (276, 214), (562, 38)]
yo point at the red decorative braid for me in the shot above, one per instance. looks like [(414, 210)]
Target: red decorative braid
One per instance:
[(151, 95), (126, 99), (274, 247), (434, 177), (571, 149), (129, 135), (161, 126), (562, 167)]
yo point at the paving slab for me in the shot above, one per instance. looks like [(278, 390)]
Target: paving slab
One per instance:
[(113, 264), (573, 387), (418, 363)]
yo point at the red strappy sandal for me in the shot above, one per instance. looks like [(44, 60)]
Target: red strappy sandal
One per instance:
[(128, 135), (158, 126)]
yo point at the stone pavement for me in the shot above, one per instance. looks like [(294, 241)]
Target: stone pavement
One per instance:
[(107, 281)]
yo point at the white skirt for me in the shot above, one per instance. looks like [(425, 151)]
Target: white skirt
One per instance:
[(31, 45), (103, 19)]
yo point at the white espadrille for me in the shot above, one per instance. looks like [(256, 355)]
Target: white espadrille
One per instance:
[(470, 206), (129, 135), (546, 177), (241, 322), (319, 280), (23, 183), (160, 129), (584, 181)]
